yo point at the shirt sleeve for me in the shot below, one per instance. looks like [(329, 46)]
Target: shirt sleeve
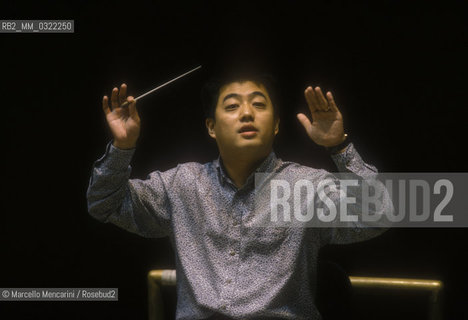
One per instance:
[(349, 161), (138, 206)]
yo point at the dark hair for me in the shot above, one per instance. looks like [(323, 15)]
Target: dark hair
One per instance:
[(211, 89)]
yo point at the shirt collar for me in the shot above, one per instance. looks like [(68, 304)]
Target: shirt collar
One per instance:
[(268, 165)]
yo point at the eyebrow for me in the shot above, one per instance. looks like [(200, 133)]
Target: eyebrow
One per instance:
[(237, 96)]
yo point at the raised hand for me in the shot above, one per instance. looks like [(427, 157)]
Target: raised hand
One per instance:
[(326, 128), (124, 123)]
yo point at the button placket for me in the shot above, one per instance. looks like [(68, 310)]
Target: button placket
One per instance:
[(237, 212)]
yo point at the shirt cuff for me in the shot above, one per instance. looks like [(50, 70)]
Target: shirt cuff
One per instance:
[(350, 161), (115, 158)]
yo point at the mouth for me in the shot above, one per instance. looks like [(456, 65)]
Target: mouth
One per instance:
[(248, 129)]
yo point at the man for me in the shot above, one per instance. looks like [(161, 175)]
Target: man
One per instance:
[(226, 268)]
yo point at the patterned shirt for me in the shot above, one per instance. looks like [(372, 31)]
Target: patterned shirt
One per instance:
[(224, 266)]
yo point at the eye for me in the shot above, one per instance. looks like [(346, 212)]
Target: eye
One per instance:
[(259, 104), (231, 106)]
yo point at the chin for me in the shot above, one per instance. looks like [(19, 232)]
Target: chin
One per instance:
[(251, 145)]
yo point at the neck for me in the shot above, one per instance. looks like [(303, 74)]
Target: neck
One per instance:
[(240, 166)]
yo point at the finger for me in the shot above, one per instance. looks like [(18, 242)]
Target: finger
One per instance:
[(322, 102), (310, 98), (114, 98), (105, 105), (123, 93), (305, 122), (132, 110), (331, 102)]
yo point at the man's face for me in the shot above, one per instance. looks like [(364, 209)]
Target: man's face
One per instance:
[(244, 119)]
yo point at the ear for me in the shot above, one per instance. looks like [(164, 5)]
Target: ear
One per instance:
[(210, 123), (277, 121)]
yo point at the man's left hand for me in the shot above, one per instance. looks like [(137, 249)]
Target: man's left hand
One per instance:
[(326, 128)]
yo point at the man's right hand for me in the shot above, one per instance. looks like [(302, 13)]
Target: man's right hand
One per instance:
[(124, 123)]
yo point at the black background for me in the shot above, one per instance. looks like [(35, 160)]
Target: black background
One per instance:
[(397, 70)]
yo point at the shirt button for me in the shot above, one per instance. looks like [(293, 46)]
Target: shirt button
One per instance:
[(223, 307), (228, 281), (232, 253), (235, 223)]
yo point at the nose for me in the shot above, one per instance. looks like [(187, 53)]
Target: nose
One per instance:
[(246, 112)]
